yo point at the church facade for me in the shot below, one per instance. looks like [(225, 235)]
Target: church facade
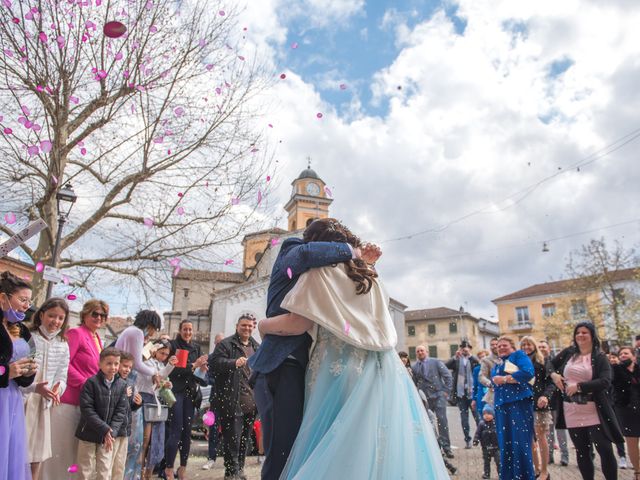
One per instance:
[(213, 300)]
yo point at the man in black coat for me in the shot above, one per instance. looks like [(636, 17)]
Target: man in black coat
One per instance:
[(462, 366), (233, 399)]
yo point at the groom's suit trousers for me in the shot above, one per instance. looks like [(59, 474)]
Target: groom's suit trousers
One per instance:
[(280, 399)]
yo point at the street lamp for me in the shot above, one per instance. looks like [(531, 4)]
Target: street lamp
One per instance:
[(65, 197)]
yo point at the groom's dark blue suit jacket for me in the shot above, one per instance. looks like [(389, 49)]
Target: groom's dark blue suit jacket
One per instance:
[(299, 257)]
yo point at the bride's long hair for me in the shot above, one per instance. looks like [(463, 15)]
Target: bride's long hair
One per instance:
[(331, 230)]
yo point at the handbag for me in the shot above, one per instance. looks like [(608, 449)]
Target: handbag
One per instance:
[(155, 412)]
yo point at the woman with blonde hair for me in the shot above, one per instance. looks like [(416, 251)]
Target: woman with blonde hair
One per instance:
[(85, 346), (543, 389)]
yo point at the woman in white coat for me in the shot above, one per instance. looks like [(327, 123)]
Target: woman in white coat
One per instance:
[(50, 323)]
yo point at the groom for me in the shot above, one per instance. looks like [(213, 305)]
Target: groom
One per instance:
[(281, 361)]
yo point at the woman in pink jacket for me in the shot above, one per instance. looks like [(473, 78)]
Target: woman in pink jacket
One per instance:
[(85, 346)]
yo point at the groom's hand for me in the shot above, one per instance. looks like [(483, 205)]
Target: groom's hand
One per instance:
[(370, 253), (241, 362)]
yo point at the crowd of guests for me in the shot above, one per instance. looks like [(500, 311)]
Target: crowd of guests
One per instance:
[(71, 405), (523, 400)]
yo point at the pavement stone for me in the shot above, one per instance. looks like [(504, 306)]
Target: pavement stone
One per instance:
[(468, 462)]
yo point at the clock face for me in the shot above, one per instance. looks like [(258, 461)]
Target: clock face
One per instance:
[(313, 189)]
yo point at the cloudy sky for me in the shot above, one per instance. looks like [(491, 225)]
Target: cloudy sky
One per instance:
[(460, 135)]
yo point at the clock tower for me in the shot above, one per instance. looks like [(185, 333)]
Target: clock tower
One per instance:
[(308, 200)]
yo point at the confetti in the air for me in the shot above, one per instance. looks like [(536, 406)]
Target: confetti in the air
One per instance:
[(209, 418), (221, 13), (283, 76), (176, 271), (148, 222), (71, 297), (294, 45), (343, 86), (65, 280), (275, 241), (319, 115), (268, 178), (10, 218), (2, 369), (229, 261), (180, 210), (39, 267), (235, 201), (114, 29), (327, 191), (289, 272), (174, 262), (73, 468), (347, 328)]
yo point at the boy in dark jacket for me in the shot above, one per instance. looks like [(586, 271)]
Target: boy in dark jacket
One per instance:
[(134, 402), (487, 436), (103, 409)]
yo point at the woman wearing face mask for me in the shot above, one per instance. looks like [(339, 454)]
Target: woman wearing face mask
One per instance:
[(131, 340), (52, 356), (583, 375), (16, 370), (626, 386), (85, 346)]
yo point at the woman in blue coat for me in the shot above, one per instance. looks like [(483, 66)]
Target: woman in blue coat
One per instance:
[(513, 402)]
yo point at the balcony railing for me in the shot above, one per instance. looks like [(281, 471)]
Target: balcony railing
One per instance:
[(521, 326)]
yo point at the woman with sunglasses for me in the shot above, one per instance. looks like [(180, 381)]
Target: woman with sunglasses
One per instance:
[(85, 346)]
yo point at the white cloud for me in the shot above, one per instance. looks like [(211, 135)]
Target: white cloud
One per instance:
[(464, 133)]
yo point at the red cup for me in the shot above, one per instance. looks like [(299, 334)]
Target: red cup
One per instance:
[(182, 356)]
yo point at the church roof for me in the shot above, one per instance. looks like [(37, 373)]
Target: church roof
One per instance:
[(308, 173), (205, 275), (434, 313), (274, 231)]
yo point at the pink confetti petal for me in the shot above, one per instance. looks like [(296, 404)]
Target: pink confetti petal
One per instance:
[(54, 180), (270, 126), (26, 110), (259, 197), (83, 151), (221, 13), (43, 37), (268, 178), (178, 111), (241, 57), (347, 328), (148, 222), (176, 271), (174, 262), (283, 76), (180, 211), (73, 468), (7, 131), (39, 267), (10, 218), (180, 194), (33, 150), (327, 190), (2, 370), (209, 418), (46, 146), (319, 115), (71, 297), (65, 280), (114, 29), (343, 86), (74, 100), (275, 241), (228, 261), (294, 45), (235, 201), (289, 272)]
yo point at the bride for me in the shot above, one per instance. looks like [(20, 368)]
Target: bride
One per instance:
[(363, 418)]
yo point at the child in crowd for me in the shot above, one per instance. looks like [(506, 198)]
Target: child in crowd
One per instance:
[(48, 331), (153, 442), (134, 402), (487, 435), (103, 411)]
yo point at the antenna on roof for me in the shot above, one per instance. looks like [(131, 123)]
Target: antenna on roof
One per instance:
[(308, 161)]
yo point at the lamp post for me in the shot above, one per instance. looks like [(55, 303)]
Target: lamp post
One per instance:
[(65, 197)]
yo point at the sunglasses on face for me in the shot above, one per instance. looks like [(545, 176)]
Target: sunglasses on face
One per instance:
[(99, 315)]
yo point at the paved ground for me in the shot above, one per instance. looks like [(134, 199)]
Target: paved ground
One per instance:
[(468, 462)]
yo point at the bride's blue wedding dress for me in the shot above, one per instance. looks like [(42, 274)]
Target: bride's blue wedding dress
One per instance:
[(363, 417)]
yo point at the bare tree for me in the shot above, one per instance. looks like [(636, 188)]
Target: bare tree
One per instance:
[(608, 280), (156, 129)]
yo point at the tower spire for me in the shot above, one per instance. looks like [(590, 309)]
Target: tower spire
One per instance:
[(308, 161)]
